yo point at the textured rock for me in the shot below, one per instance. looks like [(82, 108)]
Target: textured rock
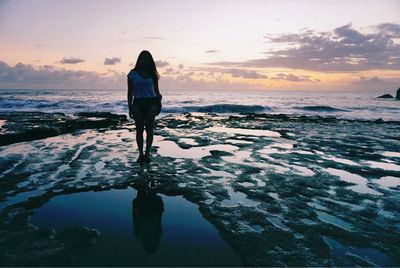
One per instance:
[(78, 238), (290, 200), (28, 126), (386, 96)]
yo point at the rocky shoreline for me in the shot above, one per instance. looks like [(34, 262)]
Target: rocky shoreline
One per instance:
[(282, 190)]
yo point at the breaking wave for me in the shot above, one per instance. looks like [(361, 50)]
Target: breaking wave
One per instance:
[(218, 108), (114, 101), (320, 108)]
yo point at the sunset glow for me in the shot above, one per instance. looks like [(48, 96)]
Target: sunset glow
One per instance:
[(284, 45)]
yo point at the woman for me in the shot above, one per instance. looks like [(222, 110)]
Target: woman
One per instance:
[(144, 101)]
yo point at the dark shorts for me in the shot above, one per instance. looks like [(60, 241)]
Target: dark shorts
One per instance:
[(146, 107)]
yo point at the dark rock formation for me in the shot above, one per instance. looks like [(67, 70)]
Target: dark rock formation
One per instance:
[(386, 96), (398, 94), (28, 126), (78, 238)]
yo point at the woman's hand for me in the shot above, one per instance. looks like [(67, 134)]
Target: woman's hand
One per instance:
[(131, 113)]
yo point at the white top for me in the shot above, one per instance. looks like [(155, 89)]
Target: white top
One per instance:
[(142, 88)]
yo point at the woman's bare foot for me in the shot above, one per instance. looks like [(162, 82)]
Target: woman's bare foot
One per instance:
[(146, 158), (140, 159)]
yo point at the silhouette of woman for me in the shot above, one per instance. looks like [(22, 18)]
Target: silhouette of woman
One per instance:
[(147, 209), (144, 101)]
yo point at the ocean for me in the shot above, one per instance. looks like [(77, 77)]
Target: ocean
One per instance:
[(364, 106)]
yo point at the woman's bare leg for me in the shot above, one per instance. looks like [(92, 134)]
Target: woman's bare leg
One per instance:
[(149, 123), (139, 122)]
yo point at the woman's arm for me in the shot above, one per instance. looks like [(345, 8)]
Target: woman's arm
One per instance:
[(130, 93), (156, 89), (158, 94)]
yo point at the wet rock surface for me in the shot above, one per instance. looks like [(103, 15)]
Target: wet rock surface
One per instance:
[(282, 190), (28, 126), (386, 96)]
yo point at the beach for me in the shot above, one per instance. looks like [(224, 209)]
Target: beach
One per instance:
[(269, 189), (199, 133)]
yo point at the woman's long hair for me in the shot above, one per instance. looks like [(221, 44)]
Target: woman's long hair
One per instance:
[(145, 63)]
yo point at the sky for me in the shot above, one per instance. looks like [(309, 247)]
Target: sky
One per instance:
[(217, 45)]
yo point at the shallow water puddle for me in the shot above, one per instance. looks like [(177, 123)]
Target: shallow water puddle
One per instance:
[(243, 131), (240, 157), (330, 219), (391, 154), (257, 228), (246, 184), (361, 183), (277, 168), (237, 141), (316, 206), (303, 152), (383, 165), (236, 198), (308, 221), (189, 141), (259, 182), (303, 170), (171, 149), (267, 150), (21, 197), (342, 203), (278, 223), (388, 181), (344, 255), (99, 165), (218, 173), (274, 196), (138, 228), (341, 160)]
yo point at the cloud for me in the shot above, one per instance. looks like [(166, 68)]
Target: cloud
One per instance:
[(154, 37), (27, 76), (343, 49), (250, 74), (375, 84), (212, 51), (71, 60), (111, 61), (161, 63), (171, 71), (393, 30), (294, 78), (185, 81), (368, 80), (234, 72), (50, 77)]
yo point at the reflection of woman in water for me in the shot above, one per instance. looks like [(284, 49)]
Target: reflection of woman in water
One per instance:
[(144, 101), (147, 209)]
